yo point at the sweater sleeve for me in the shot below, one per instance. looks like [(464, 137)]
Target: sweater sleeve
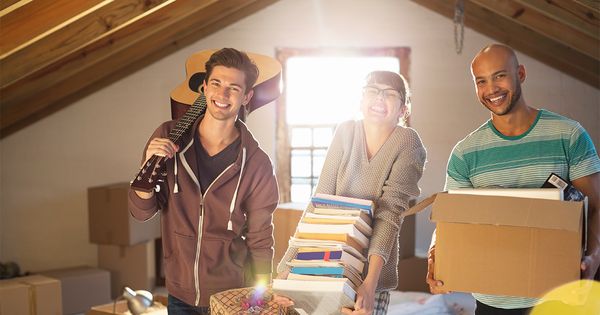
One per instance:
[(399, 187)]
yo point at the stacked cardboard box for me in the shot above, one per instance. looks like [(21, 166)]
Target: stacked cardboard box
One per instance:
[(120, 307), (524, 245), (34, 295), (82, 287), (126, 247)]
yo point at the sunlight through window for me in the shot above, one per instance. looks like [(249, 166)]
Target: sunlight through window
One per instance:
[(322, 92), (326, 90)]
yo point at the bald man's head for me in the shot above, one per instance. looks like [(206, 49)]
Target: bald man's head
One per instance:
[(498, 76), (498, 52)]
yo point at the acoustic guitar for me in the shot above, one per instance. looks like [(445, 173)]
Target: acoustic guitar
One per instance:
[(188, 103)]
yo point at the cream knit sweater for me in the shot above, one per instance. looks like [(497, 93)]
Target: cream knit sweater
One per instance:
[(389, 179)]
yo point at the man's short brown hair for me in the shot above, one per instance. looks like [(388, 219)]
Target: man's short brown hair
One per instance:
[(233, 58)]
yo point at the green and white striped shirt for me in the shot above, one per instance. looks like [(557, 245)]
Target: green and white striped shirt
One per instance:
[(553, 144)]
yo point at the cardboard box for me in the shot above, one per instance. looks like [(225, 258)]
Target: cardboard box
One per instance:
[(110, 221), (31, 295), (406, 240), (505, 245), (121, 307), (14, 298), (285, 221), (412, 272), (82, 287), (132, 266)]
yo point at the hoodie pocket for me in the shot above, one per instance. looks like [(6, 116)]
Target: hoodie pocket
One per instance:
[(179, 261), (222, 262)]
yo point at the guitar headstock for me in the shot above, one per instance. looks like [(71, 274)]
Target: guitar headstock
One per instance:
[(150, 175)]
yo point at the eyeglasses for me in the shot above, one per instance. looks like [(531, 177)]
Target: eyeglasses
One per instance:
[(388, 94)]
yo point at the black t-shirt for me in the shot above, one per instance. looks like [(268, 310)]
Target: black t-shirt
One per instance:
[(209, 167)]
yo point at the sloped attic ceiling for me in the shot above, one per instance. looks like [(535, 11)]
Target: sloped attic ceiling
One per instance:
[(53, 52), (564, 34)]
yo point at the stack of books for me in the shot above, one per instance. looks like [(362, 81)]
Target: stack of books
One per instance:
[(328, 268)]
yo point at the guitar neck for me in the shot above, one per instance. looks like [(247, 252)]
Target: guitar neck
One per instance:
[(184, 124)]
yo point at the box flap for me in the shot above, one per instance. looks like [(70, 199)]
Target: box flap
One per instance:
[(510, 211), (423, 204)]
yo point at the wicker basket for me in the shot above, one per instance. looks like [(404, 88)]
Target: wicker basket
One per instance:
[(230, 303)]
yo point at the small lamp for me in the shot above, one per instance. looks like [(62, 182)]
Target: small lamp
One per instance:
[(137, 301)]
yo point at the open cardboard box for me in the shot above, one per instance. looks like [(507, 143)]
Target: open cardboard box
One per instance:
[(505, 245), (120, 307)]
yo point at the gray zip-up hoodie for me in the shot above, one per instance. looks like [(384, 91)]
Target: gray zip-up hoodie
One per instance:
[(213, 242)]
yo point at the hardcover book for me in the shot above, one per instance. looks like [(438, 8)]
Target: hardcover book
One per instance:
[(344, 238), (358, 268), (360, 224), (316, 297), (331, 256), (349, 229), (343, 212), (304, 245), (339, 271), (295, 276), (333, 201), (539, 193)]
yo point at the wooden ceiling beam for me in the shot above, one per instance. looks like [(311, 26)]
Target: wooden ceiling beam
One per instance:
[(7, 6), (31, 19), (568, 12), (108, 50), (79, 31), (590, 4), (543, 24), (140, 43), (553, 53)]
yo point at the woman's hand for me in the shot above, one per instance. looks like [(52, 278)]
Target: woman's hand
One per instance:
[(281, 300), (365, 300)]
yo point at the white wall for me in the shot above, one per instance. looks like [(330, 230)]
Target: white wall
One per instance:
[(46, 168)]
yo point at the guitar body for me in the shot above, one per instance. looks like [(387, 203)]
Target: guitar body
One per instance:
[(188, 103)]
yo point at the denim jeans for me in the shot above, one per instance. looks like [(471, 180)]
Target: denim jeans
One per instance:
[(179, 307)]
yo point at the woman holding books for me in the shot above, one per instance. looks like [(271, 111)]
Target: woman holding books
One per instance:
[(380, 159)]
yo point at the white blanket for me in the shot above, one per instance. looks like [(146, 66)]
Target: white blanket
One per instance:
[(419, 303)]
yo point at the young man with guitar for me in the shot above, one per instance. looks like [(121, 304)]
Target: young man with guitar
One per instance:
[(219, 193)]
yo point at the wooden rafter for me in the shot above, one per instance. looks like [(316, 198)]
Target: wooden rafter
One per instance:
[(53, 52), (31, 19), (550, 48), (583, 18), (545, 24), (138, 36), (78, 31)]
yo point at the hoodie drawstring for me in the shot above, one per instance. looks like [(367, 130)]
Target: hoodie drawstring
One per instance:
[(232, 206), (176, 186)]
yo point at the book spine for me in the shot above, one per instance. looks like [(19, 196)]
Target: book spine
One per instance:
[(318, 270), (325, 255), (318, 202)]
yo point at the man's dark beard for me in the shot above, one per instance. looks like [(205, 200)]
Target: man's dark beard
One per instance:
[(513, 100)]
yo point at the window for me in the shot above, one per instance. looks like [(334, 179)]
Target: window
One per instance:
[(321, 89), (307, 153)]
